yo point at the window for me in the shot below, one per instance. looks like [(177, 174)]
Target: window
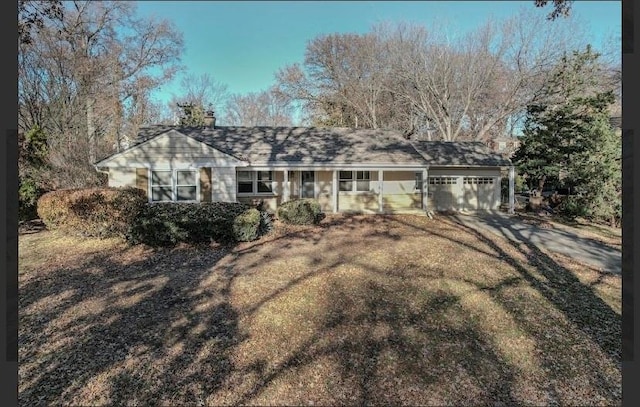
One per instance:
[(362, 181), (418, 186), (264, 181), (174, 185), (186, 188), (245, 182), (443, 180), (161, 186), (502, 145), (346, 181), (477, 181), (253, 182)]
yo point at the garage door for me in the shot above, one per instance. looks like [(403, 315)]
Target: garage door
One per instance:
[(443, 193), (479, 192)]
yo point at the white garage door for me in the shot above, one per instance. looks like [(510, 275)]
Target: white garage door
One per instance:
[(479, 192), (443, 193)]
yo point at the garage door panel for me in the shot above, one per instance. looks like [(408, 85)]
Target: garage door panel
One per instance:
[(479, 193), (443, 193)]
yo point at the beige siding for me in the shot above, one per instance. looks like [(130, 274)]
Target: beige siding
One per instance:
[(270, 202), (366, 202), (224, 184), (324, 187), (398, 192), (172, 149), (122, 177)]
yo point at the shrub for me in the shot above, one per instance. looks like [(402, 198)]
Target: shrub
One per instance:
[(300, 212), (266, 223), (96, 212), (246, 225), (166, 224), (28, 195), (572, 207)]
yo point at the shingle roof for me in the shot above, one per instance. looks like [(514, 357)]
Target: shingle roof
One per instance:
[(470, 153), (304, 145), (314, 145)]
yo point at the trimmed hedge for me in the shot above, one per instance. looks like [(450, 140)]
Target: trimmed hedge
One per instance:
[(94, 212), (300, 212), (166, 224)]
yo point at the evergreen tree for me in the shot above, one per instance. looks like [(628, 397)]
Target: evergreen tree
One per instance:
[(569, 133)]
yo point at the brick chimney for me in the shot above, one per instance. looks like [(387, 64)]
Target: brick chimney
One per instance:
[(209, 119)]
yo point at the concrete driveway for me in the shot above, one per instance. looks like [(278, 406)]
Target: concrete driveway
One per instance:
[(560, 241)]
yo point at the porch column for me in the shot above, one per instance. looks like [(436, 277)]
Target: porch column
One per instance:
[(285, 187), (334, 192), (512, 196), (380, 184), (425, 188)]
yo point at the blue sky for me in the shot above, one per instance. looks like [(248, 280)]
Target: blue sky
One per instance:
[(243, 43)]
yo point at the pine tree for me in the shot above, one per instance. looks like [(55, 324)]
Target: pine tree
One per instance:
[(569, 133)]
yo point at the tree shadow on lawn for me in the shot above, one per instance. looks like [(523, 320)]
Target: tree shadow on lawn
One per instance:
[(143, 332), (562, 288), (172, 331), (577, 302), (384, 351)]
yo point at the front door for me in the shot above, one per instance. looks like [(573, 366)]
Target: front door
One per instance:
[(308, 184)]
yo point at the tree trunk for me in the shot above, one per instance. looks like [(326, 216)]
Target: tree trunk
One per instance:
[(91, 131), (541, 182)]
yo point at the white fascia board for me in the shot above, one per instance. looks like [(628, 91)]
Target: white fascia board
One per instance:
[(331, 167)]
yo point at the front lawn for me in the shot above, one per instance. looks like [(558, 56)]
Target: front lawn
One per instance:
[(361, 309)]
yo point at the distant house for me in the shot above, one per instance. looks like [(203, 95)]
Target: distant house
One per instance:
[(505, 146), (371, 171)]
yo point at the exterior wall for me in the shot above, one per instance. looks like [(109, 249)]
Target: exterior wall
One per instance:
[(399, 193), (172, 150), (270, 203), (205, 185), (365, 202), (324, 190), (224, 184), (122, 177)]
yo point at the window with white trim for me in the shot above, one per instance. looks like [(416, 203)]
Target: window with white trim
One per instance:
[(354, 181), (477, 181), (363, 180), (346, 180), (443, 180), (186, 185), (174, 185), (255, 182)]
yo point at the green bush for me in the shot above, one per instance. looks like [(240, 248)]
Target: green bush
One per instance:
[(300, 212), (572, 207), (166, 224), (28, 195), (246, 225), (96, 212)]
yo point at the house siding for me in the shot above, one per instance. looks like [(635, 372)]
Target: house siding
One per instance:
[(205, 185), (172, 150), (122, 177), (224, 184), (399, 193)]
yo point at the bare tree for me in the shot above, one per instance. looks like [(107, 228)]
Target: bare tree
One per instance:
[(266, 108), (78, 77), (199, 90)]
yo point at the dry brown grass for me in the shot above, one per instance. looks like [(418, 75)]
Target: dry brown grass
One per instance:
[(361, 309)]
